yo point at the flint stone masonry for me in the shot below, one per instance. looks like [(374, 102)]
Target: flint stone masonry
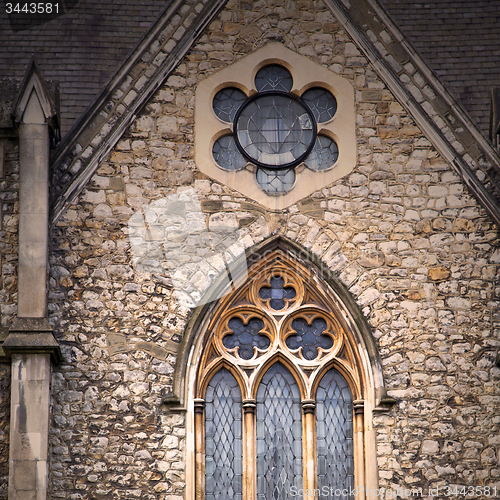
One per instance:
[(5, 373), (77, 158), (422, 265), (9, 216)]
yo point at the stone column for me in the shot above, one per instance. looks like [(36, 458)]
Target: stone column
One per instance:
[(31, 343), (308, 443), (199, 426), (29, 419), (249, 452), (359, 452)]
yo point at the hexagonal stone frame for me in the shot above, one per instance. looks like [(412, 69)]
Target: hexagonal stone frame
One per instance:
[(306, 74)]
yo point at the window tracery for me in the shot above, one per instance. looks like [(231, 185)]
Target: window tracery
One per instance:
[(274, 129), (275, 126), (278, 339)]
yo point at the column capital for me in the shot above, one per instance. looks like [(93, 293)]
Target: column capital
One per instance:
[(249, 405), (359, 406), (308, 406), (199, 405)]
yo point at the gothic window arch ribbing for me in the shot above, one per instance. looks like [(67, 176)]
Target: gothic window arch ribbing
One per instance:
[(279, 339)]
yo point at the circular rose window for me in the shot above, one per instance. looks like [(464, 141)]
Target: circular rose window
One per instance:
[(275, 130)]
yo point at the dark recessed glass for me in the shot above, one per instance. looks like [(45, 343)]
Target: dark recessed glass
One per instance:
[(309, 337), (223, 438), (279, 435), (273, 78), (334, 434), (227, 102), (321, 102), (274, 130), (227, 155), (276, 181), (323, 155), (277, 293), (246, 337)]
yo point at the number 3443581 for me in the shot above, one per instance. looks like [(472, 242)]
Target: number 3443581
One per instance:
[(32, 8)]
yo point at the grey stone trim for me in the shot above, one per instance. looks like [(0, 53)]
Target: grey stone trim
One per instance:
[(171, 404), (33, 80), (4, 333), (32, 335), (385, 404), (107, 118), (440, 117)]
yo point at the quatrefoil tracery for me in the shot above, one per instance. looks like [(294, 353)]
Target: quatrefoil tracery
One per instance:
[(277, 295), (276, 316), (278, 291), (245, 335), (310, 335)]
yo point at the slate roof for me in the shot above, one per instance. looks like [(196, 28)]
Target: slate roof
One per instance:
[(460, 41), (84, 46), (81, 48)]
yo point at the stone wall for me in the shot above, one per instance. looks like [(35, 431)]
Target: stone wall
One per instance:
[(4, 428), (9, 219), (401, 232), (9, 223)]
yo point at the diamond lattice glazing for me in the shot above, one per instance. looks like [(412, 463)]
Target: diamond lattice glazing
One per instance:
[(223, 442), (334, 434), (279, 435)]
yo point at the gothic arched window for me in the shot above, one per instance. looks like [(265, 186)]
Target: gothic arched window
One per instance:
[(278, 410)]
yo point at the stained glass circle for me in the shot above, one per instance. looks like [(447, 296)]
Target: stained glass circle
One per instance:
[(323, 155), (227, 155), (273, 78), (321, 102), (227, 102), (274, 130)]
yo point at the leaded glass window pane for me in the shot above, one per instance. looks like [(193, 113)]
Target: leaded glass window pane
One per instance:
[(334, 431), (275, 130), (227, 155), (227, 102), (279, 435), (275, 181), (223, 439), (273, 78), (309, 337), (246, 337), (321, 102), (277, 293), (323, 155)]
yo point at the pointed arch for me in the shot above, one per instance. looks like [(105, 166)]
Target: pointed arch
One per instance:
[(257, 261), (307, 290)]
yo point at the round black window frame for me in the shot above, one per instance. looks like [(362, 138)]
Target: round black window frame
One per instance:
[(264, 165)]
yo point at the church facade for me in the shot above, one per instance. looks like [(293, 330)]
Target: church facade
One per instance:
[(262, 264)]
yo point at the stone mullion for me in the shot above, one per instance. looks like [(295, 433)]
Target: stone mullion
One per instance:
[(309, 444), (359, 456), (249, 450), (199, 425)]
